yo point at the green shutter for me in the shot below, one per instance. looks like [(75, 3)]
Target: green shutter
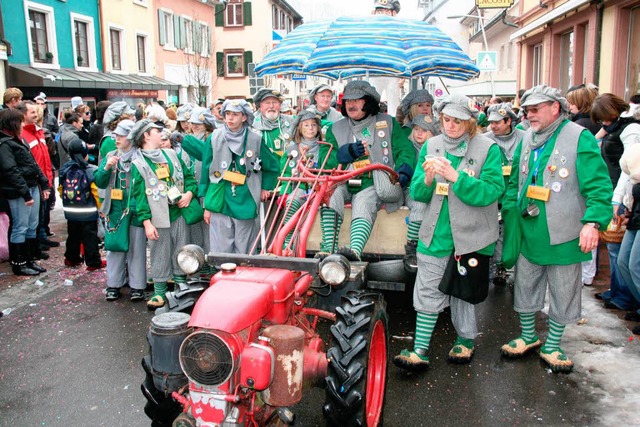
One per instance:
[(247, 13), (219, 15), (248, 58), (162, 30), (220, 63), (197, 38), (183, 34), (176, 32), (208, 38)]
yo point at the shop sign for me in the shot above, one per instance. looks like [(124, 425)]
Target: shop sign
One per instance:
[(494, 4), (132, 93)]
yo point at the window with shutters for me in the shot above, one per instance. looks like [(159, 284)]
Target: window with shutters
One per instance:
[(141, 47), (115, 43), (234, 14), (41, 34), (204, 38), (188, 36), (167, 36), (234, 63)]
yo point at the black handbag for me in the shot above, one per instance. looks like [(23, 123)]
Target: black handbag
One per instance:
[(466, 277)]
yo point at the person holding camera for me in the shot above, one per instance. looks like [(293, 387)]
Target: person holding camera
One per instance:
[(559, 195)]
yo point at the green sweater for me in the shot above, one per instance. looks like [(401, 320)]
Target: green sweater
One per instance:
[(470, 190), (595, 186), (101, 177)]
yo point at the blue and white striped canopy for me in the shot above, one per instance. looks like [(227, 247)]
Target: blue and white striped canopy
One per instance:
[(376, 45)]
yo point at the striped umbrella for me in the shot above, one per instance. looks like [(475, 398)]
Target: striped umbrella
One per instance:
[(376, 45)]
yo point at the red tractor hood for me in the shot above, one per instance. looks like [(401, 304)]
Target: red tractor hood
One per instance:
[(232, 306)]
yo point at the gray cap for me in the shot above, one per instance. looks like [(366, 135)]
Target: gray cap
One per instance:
[(238, 106), (501, 111), (543, 93), (138, 130), (387, 4), (425, 122), (358, 89), (124, 127), (115, 110), (318, 89), (184, 112), (457, 106), (415, 97), (75, 101), (305, 115), (201, 116), (266, 93)]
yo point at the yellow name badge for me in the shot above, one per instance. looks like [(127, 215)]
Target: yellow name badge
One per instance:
[(381, 124), (234, 177), (162, 172), (116, 194), (361, 163), (506, 170), (538, 193), (442, 189)]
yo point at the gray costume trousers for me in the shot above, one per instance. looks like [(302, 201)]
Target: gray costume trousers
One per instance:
[(164, 251), (364, 204), (427, 298), (230, 235), (565, 290), (134, 261)]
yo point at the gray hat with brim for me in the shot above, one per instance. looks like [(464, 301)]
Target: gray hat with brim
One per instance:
[(238, 106), (318, 89), (124, 127), (305, 115), (543, 93), (202, 116), (501, 111), (422, 121), (415, 97), (140, 128), (387, 4), (457, 106), (358, 89), (116, 110), (265, 93), (184, 112)]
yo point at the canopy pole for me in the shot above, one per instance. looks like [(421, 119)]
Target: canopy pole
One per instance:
[(444, 86)]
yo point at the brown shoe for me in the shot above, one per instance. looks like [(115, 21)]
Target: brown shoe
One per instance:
[(460, 353), (155, 301), (519, 347), (557, 361)]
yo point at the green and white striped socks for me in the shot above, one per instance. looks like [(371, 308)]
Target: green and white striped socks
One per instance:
[(528, 324), (553, 339), (413, 229), (425, 323), (360, 232), (291, 209), (330, 223)]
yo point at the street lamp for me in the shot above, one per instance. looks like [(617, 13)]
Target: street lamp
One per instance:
[(481, 19)]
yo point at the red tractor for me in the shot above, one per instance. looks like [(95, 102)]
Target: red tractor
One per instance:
[(251, 343)]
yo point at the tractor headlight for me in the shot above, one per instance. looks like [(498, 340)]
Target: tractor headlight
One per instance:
[(334, 270), (190, 259)]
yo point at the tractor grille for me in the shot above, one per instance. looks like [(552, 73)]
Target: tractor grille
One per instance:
[(206, 359)]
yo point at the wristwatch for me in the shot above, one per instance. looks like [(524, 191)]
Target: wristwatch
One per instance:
[(594, 225)]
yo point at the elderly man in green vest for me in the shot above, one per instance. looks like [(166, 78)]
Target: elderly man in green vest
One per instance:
[(364, 136), (559, 195)]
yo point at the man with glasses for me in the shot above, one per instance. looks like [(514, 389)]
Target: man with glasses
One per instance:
[(276, 132), (558, 196)]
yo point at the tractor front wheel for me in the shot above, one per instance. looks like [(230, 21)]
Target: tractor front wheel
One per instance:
[(357, 373)]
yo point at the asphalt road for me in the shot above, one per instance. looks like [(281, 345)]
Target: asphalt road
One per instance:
[(69, 358)]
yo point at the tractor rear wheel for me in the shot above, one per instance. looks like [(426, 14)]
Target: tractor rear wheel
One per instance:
[(357, 372)]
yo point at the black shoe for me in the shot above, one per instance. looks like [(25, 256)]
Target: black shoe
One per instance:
[(22, 270), (610, 305), (39, 254), (35, 266), (636, 330), (632, 316), (50, 243), (410, 260), (349, 253), (112, 294), (50, 233), (599, 296), (136, 295), (43, 247)]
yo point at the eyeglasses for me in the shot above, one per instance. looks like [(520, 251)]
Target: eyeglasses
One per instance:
[(534, 109), (87, 113)]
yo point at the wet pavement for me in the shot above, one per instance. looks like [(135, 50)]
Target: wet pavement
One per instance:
[(69, 358)]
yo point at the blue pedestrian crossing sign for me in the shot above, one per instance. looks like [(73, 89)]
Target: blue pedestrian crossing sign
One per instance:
[(487, 61)]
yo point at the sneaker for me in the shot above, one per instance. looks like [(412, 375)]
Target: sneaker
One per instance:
[(136, 295), (103, 264), (112, 294), (411, 361)]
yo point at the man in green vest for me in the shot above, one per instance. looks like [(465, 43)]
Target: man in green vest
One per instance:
[(559, 195)]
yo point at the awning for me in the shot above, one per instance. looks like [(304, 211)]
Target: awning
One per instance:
[(26, 76), (548, 17)]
